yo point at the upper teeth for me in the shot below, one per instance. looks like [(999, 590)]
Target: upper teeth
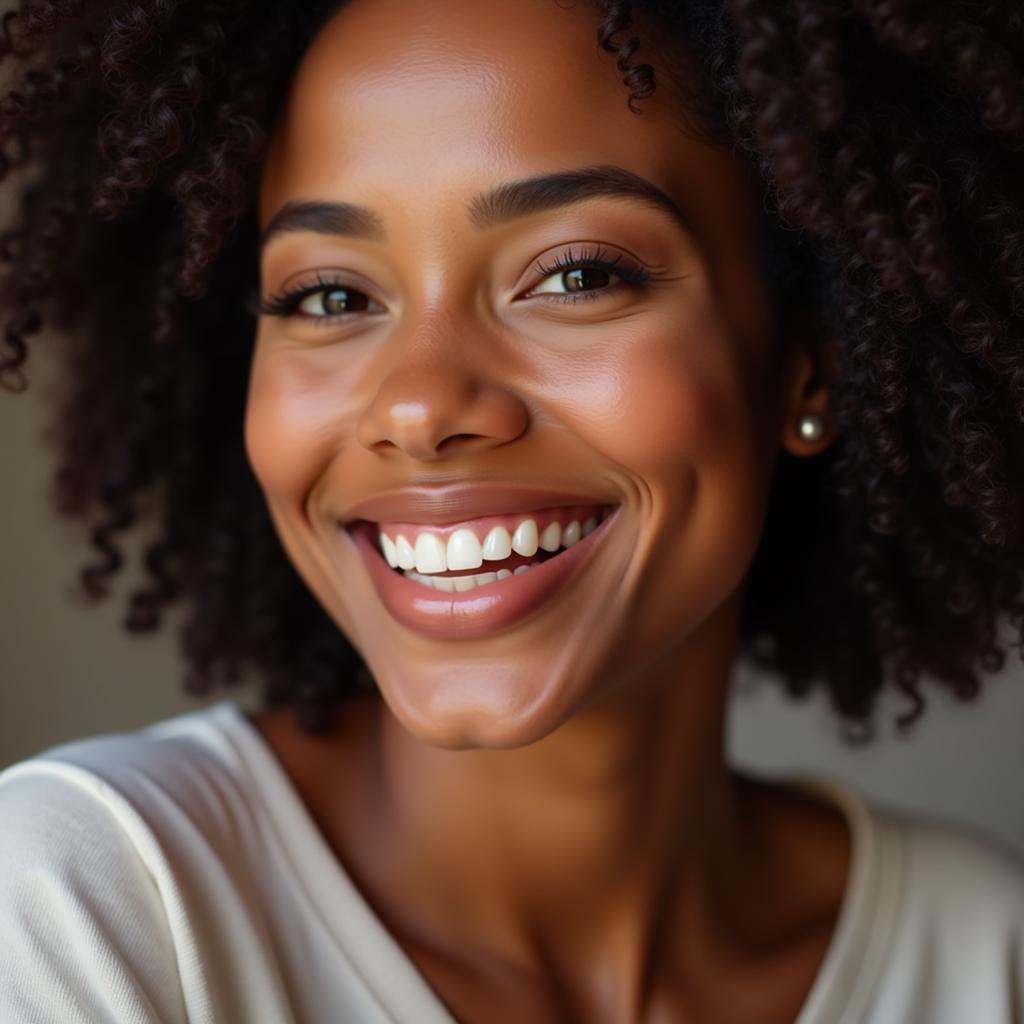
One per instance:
[(426, 552)]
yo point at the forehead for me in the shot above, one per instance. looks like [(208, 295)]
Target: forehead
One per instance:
[(414, 103)]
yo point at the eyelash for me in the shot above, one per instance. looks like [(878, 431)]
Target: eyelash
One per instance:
[(631, 274), (285, 303)]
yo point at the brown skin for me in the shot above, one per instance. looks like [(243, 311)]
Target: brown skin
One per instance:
[(544, 818)]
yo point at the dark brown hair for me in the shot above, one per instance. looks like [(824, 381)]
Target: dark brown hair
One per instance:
[(888, 134)]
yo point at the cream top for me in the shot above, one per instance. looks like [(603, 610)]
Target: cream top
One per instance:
[(173, 874)]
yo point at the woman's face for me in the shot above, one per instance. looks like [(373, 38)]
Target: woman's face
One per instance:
[(473, 345)]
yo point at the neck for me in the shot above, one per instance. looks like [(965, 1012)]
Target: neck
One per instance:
[(617, 859), (622, 823)]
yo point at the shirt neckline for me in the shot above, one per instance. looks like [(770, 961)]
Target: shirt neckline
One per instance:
[(841, 987), (387, 972), (849, 971)]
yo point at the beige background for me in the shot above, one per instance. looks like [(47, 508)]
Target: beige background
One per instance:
[(68, 671)]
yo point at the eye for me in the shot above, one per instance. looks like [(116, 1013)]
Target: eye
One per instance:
[(333, 302), (573, 277), (578, 279), (321, 300)]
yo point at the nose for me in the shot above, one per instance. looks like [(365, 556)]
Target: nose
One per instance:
[(438, 400)]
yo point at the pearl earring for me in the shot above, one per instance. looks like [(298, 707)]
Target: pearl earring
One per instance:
[(810, 426)]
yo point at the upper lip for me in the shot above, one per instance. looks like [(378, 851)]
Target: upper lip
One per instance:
[(454, 503)]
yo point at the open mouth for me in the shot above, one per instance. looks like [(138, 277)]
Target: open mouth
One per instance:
[(477, 577), (458, 557)]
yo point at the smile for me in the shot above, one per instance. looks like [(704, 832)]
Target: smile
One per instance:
[(507, 542), (423, 572)]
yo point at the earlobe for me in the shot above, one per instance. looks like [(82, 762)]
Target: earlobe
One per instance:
[(809, 425)]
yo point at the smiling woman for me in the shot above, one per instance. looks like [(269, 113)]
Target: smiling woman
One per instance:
[(501, 374)]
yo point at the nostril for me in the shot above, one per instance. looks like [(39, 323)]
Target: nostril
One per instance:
[(458, 441)]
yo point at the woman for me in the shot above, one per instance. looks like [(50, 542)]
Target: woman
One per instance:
[(552, 415)]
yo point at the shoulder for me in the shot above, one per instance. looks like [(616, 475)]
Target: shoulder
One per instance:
[(956, 947), (98, 836), (957, 871), (83, 930), (176, 776), (931, 926), (935, 868)]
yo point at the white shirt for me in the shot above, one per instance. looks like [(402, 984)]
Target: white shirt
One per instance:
[(173, 874)]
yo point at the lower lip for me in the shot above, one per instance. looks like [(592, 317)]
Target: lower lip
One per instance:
[(483, 610)]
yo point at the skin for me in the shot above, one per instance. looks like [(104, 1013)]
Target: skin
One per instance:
[(582, 851)]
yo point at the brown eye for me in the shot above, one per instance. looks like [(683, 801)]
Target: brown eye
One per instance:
[(576, 279), (581, 279), (333, 302)]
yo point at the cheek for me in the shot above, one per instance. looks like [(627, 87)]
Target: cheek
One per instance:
[(667, 408), (669, 405), (701, 444), (661, 395), (295, 415)]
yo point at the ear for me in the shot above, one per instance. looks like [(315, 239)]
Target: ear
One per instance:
[(808, 385)]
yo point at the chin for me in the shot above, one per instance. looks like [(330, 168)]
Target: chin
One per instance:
[(453, 714)]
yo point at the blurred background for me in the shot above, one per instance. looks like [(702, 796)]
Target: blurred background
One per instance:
[(67, 670)]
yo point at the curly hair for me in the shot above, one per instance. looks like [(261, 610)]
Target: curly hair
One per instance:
[(888, 136)]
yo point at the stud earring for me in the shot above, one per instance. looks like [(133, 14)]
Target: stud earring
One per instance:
[(810, 426)]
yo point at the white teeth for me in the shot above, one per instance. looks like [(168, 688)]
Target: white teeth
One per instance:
[(497, 544), (387, 545), (464, 551), (405, 553), (525, 540), (429, 553), (551, 538), (460, 584)]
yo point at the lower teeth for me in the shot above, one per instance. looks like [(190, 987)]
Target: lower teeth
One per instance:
[(458, 584)]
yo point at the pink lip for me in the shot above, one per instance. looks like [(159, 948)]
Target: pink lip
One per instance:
[(458, 502), (472, 613)]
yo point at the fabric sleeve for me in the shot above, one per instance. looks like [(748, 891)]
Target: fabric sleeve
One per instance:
[(84, 936)]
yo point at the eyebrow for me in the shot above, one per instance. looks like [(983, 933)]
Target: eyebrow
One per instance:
[(549, 191), (506, 202), (324, 218)]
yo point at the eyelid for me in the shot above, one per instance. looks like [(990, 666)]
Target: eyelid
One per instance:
[(285, 302), (630, 270)]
